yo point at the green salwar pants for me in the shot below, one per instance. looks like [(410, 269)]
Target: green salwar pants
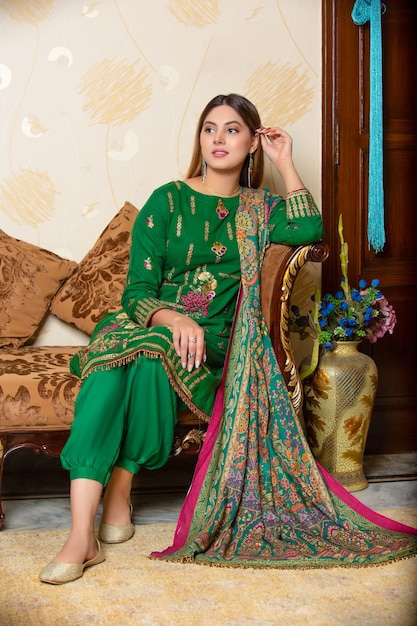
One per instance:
[(124, 417)]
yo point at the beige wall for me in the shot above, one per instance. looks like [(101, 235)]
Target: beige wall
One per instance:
[(99, 99)]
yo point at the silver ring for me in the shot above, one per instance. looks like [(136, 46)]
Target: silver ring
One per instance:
[(192, 339), (191, 356)]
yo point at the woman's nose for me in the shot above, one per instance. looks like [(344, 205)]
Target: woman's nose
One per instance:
[(219, 137)]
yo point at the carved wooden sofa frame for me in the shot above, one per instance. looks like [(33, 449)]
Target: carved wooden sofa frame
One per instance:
[(56, 388)]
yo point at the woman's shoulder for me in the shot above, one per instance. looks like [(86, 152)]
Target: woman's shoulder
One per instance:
[(160, 195), (161, 201), (173, 186)]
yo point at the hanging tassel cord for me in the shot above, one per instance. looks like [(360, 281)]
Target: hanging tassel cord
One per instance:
[(364, 11)]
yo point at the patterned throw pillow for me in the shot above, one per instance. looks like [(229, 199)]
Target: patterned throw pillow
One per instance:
[(97, 285), (29, 278)]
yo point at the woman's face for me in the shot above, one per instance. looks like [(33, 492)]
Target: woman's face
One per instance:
[(225, 139)]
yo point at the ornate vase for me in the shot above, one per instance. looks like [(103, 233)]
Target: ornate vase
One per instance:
[(338, 402)]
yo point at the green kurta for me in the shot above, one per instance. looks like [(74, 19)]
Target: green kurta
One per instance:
[(185, 257)]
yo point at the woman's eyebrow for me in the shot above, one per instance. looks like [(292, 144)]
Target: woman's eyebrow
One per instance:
[(226, 123)]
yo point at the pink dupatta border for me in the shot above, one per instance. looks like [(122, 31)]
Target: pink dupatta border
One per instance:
[(364, 511), (186, 514)]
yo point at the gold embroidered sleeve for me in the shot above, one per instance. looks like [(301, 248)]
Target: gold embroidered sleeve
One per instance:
[(295, 220), (301, 204), (143, 310)]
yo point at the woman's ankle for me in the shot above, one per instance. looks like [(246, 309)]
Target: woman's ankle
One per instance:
[(116, 501), (117, 511), (78, 548)]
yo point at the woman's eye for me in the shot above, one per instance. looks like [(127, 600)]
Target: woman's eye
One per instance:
[(232, 130)]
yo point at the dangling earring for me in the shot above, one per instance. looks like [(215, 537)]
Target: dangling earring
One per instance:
[(203, 171), (250, 168)]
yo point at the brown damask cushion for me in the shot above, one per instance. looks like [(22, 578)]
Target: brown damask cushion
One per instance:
[(96, 287), (37, 390), (29, 278)]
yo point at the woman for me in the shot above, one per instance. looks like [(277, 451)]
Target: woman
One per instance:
[(191, 304)]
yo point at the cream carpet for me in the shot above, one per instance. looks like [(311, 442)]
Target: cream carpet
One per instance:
[(128, 588)]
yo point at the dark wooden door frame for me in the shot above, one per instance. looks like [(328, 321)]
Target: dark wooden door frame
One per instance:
[(334, 117)]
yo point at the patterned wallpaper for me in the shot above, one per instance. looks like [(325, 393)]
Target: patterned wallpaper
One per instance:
[(99, 100)]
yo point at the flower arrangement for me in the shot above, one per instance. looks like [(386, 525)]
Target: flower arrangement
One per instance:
[(349, 314)]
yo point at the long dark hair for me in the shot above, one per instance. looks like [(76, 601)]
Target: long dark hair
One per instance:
[(250, 116)]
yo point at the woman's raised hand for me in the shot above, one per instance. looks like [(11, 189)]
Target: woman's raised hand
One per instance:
[(276, 143)]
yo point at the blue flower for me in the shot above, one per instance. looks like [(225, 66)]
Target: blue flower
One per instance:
[(349, 314), (326, 309)]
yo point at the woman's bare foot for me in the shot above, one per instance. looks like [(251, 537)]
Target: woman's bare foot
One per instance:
[(77, 549)]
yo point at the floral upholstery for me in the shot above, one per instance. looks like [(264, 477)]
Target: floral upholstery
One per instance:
[(37, 390)]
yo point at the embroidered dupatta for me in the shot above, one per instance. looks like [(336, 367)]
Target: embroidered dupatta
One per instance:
[(258, 498)]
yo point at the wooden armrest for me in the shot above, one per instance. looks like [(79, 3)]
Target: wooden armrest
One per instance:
[(279, 271)]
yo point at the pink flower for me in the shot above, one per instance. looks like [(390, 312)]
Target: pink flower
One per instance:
[(194, 302), (384, 325)]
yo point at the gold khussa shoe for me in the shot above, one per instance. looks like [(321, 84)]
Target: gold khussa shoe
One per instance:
[(109, 533), (61, 573)]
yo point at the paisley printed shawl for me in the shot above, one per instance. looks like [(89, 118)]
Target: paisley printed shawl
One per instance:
[(258, 497)]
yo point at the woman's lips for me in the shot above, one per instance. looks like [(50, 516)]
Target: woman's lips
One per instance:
[(219, 153)]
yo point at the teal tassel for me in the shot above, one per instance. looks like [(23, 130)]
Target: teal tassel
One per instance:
[(363, 11)]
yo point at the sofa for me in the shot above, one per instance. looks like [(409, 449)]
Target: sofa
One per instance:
[(37, 390)]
